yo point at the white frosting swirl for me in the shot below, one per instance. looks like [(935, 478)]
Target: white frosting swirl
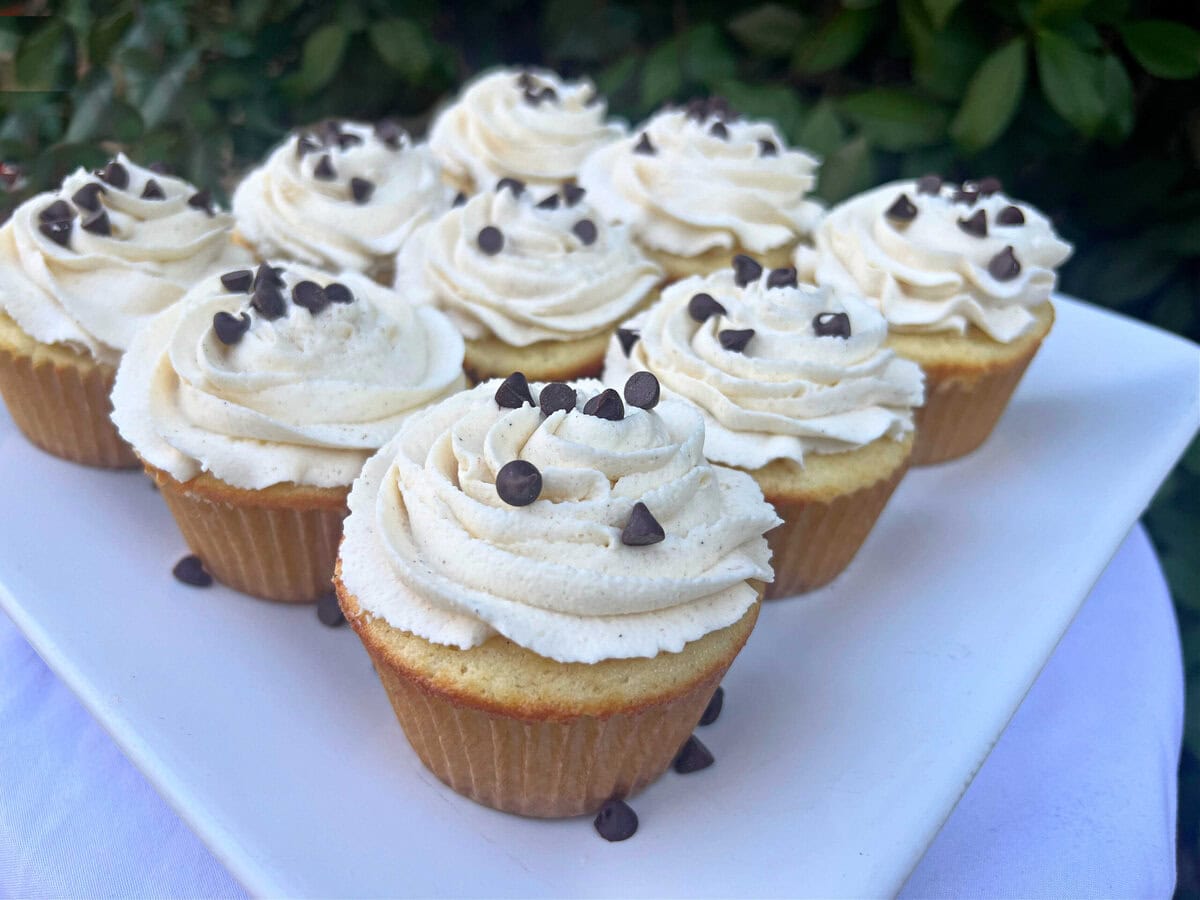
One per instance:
[(285, 210), (789, 392), (496, 129), (431, 547), (698, 191), (928, 274), (304, 398), (95, 293), (546, 283)]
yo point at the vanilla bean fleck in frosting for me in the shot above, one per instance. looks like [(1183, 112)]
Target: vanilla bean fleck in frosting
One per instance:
[(341, 196), (526, 264), (701, 178), (778, 369), (88, 264), (938, 257), (281, 375), (577, 575), (526, 124)]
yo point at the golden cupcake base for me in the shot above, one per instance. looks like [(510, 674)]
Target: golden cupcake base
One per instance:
[(679, 267)]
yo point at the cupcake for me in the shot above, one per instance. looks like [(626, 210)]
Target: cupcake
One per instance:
[(551, 587), (534, 278), (526, 124), (254, 402), (81, 269), (341, 196), (700, 185), (796, 388), (963, 274)]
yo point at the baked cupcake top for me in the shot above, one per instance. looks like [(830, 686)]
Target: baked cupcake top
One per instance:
[(340, 196), (578, 528), (281, 375), (696, 179), (526, 265), (778, 369), (936, 257), (88, 264), (527, 124)]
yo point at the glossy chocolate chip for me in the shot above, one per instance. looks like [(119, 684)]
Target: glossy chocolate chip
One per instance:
[(781, 278), (644, 146), (902, 211), (513, 392), (572, 193), (324, 169), (460, 199), (346, 139), (767, 147), (58, 211), (390, 133), (988, 186), (115, 174), (88, 196), (97, 223), (643, 529), (702, 307), (230, 328), (1004, 265), (585, 230), (692, 757), (336, 292), (267, 274), (976, 225), (329, 611), (190, 570), (735, 339), (718, 130), (642, 390), (627, 337), (556, 396), (490, 240), (516, 185), (59, 232), (238, 281), (745, 270), (616, 821), (929, 184), (606, 405), (361, 190), (201, 200), (153, 191), (550, 202), (831, 324), (525, 81), (713, 710), (968, 197), (306, 144), (268, 301), (310, 295), (1010, 215), (518, 482)]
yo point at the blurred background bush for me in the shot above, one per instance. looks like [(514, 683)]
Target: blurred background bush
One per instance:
[(1089, 109)]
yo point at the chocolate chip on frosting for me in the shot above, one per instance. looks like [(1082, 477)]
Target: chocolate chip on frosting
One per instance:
[(713, 710), (976, 225), (513, 392), (516, 185), (267, 274), (348, 139), (702, 306), (963, 195), (153, 191), (306, 144), (390, 133), (767, 147), (238, 281), (585, 230), (324, 169), (831, 324), (58, 211), (534, 97), (1004, 265), (642, 529), (310, 295), (490, 240), (58, 231), (201, 200), (1010, 215), (988, 186), (902, 211), (718, 130), (459, 199), (329, 611), (616, 821), (525, 81), (644, 146), (550, 202), (929, 184), (518, 482), (230, 328), (556, 396), (692, 757), (785, 277), (627, 337), (735, 339), (642, 390), (361, 190), (606, 405), (190, 570), (88, 196), (268, 301), (572, 193), (336, 292), (97, 223), (745, 270), (115, 174)]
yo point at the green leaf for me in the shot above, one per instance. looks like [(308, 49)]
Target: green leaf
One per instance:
[(1057, 12), (403, 46), (822, 133), (940, 11), (942, 61), (993, 95), (706, 56), (105, 35), (662, 76), (846, 171), (614, 77), (835, 43), (91, 101), (39, 56), (1166, 49), (895, 119), (781, 104), (768, 30), (161, 99), (1070, 80), (1118, 95), (320, 60)]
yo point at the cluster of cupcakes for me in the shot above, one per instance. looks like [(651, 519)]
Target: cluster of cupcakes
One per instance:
[(694, 387)]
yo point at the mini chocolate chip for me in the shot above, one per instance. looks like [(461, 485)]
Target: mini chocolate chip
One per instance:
[(718, 130), (965, 196), (831, 324), (702, 306), (310, 295), (1004, 265), (518, 482), (735, 339), (585, 230), (572, 193), (329, 611), (642, 390), (1010, 215), (58, 211), (230, 328), (556, 396), (713, 710), (525, 81), (644, 146), (785, 277), (550, 202), (306, 144), (59, 232), (988, 186), (390, 133), (976, 225), (902, 211), (929, 184), (592, 99), (336, 292), (88, 196), (516, 185), (513, 392), (347, 139), (460, 198), (606, 405), (238, 281), (745, 270), (153, 191), (160, 168), (490, 240), (692, 757), (267, 274), (190, 570), (324, 169), (201, 200), (767, 147), (329, 130), (643, 529), (616, 821), (97, 223), (361, 190), (268, 300), (627, 337), (115, 174), (548, 93)]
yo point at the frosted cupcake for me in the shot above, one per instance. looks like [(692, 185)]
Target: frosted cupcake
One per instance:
[(536, 281), (963, 274), (795, 387), (255, 401), (700, 185), (81, 269), (551, 587), (526, 124), (341, 196)]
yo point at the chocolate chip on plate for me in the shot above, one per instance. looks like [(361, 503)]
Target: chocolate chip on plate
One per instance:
[(572, 193), (97, 223), (735, 339), (929, 184), (230, 328), (310, 295), (1004, 265), (336, 292), (556, 396), (745, 270), (153, 190), (115, 174), (767, 147), (518, 482), (902, 210), (606, 405), (713, 710), (785, 277), (329, 611), (642, 390), (361, 190), (585, 230), (1010, 215), (324, 169), (513, 392), (692, 757), (702, 306), (616, 821), (644, 146), (976, 225), (642, 529), (627, 337), (831, 324), (238, 281), (516, 185), (490, 240), (88, 196), (190, 570)]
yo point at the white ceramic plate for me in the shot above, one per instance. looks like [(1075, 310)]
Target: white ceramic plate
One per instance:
[(853, 721)]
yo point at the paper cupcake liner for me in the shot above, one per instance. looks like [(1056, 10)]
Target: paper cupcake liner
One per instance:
[(65, 409), (818, 540), (270, 550)]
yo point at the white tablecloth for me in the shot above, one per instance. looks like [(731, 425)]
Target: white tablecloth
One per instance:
[(1076, 800)]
